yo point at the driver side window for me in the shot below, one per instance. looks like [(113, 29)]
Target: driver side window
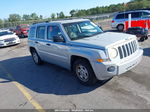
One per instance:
[(53, 31)]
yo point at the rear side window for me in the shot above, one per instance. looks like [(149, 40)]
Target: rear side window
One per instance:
[(120, 16), (32, 32), (135, 15), (41, 32)]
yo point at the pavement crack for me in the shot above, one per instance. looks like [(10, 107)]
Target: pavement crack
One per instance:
[(73, 105), (23, 104)]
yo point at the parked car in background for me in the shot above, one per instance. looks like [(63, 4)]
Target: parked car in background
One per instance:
[(82, 47), (120, 18), (8, 38), (141, 33), (13, 29), (22, 30)]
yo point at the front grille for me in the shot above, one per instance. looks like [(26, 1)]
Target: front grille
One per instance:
[(127, 49), (9, 40)]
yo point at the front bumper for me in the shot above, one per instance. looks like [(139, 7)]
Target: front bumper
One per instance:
[(121, 67), (5, 44)]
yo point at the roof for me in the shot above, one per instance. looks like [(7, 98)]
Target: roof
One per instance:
[(70, 21), (133, 11), (63, 21)]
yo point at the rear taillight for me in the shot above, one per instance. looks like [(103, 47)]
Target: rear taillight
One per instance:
[(113, 21)]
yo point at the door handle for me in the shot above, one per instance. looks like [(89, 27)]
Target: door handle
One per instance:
[(48, 44), (36, 42)]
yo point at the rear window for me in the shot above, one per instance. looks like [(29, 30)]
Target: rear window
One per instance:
[(32, 32)]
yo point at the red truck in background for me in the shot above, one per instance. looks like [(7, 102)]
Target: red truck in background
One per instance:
[(22, 30)]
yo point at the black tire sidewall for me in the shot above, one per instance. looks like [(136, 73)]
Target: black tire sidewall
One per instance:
[(39, 59), (120, 29), (92, 78), (142, 39)]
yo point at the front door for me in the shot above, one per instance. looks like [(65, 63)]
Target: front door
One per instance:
[(56, 51)]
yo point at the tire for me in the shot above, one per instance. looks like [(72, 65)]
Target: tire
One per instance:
[(142, 39), (37, 60), (84, 72), (146, 37), (120, 27)]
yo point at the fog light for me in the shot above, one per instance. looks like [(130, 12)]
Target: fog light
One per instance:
[(111, 69)]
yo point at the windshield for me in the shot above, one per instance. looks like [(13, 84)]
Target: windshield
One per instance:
[(24, 26), (81, 30), (5, 33)]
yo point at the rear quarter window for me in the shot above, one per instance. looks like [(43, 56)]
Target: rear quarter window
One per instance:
[(32, 32)]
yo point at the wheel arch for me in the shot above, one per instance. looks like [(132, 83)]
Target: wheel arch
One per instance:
[(76, 57)]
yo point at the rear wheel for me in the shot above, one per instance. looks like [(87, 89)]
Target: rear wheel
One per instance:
[(120, 27), (84, 72), (36, 57)]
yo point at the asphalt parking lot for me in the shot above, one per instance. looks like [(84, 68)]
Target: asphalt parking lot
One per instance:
[(24, 85)]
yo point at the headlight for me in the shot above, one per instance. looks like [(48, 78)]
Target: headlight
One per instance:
[(112, 53), (1, 41)]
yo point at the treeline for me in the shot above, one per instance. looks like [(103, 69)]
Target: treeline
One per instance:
[(15, 19), (133, 4)]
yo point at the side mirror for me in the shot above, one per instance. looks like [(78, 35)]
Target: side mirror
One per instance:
[(58, 38)]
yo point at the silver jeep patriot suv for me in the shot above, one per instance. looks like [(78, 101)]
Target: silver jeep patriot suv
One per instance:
[(82, 47)]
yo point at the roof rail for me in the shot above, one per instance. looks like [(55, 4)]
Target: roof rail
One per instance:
[(57, 20), (41, 22), (67, 19), (135, 10)]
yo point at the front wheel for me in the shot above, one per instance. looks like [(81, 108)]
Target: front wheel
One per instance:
[(84, 72)]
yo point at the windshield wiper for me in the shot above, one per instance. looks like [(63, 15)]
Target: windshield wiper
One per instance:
[(97, 33), (84, 36)]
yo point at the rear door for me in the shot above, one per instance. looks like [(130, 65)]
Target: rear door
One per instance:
[(40, 41)]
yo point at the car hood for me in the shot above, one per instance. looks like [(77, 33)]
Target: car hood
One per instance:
[(104, 40), (7, 37)]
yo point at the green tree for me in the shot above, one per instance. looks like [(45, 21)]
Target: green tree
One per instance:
[(14, 17), (26, 17), (34, 16), (1, 23), (53, 16), (41, 17), (61, 15), (73, 12)]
